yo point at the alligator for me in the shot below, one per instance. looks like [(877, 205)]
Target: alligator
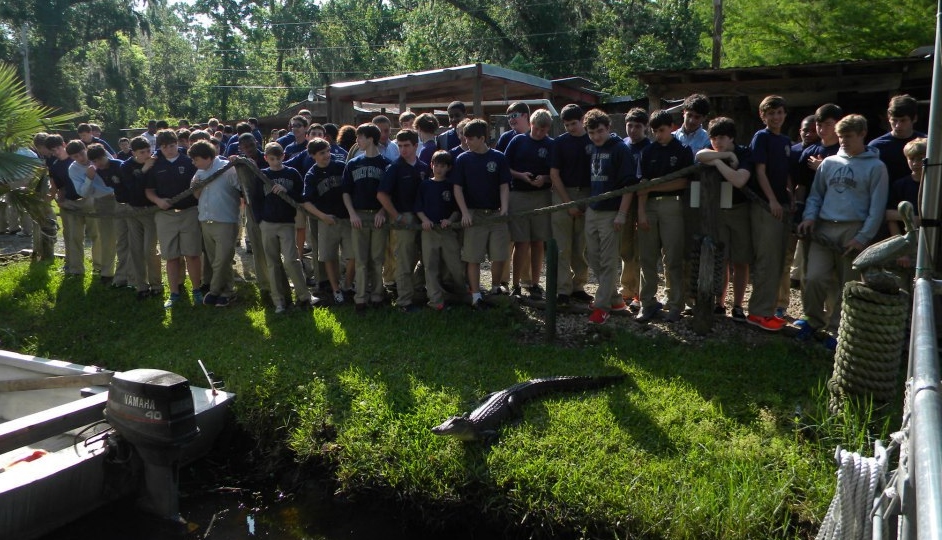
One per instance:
[(482, 422)]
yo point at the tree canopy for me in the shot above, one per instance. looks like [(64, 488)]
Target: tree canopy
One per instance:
[(121, 62)]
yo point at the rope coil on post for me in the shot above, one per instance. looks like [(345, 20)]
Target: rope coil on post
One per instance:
[(870, 344)]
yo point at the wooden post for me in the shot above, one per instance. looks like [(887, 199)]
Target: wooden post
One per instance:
[(710, 181), (717, 33)]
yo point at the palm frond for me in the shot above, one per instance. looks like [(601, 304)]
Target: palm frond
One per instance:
[(21, 116), (14, 166)]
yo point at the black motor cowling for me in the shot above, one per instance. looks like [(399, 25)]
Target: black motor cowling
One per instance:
[(153, 410)]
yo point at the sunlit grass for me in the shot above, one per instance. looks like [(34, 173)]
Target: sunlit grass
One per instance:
[(699, 441)]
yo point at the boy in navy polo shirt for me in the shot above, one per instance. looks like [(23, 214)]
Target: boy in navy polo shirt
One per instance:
[(69, 202), (569, 172), (661, 220), (323, 197), (612, 168), (734, 163), (529, 155), (142, 229), (482, 189), (361, 179), (902, 114), (772, 182), (397, 193), (636, 126), (436, 208), (109, 169), (178, 230), (276, 220)]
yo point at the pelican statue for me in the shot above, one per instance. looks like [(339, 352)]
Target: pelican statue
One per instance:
[(874, 262)]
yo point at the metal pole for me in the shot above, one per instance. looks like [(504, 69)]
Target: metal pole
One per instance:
[(926, 427), (24, 39), (552, 262), (929, 208)]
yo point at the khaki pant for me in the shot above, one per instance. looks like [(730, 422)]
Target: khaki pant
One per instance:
[(631, 269), (572, 270), (369, 247), (104, 251), (826, 273), (219, 240), (440, 251), (665, 235), (602, 248), (405, 249), (142, 250), (73, 234), (318, 271), (281, 251), (122, 269), (769, 240)]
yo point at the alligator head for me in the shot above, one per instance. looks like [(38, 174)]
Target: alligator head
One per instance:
[(459, 427)]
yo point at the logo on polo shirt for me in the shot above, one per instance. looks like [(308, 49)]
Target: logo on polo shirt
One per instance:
[(181, 169), (446, 195), (588, 149), (541, 153), (673, 161), (491, 166), (115, 179)]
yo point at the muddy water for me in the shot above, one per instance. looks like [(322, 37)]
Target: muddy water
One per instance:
[(218, 510)]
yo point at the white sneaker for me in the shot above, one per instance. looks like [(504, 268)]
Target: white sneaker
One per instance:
[(338, 297)]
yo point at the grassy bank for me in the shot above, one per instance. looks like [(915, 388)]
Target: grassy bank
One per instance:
[(700, 441)]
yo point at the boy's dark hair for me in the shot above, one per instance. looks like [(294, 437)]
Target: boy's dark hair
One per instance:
[(246, 138), (83, 128), (369, 130), (442, 157), (519, 107), (183, 134), (317, 144), (282, 132), (315, 127), (152, 123), (274, 149), (771, 102), (74, 147), (202, 149), (331, 130), (346, 136), (638, 115), (54, 140), (722, 126), (903, 105), (227, 129), (139, 143), (96, 151), (595, 119), (305, 113), (253, 121), (407, 135), (426, 122), (661, 118), (697, 103), (828, 111), (457, 105), (183, 121), (299, 119), (200, 135), (166, 136), (406, 116), (475, 128), (243, 127), (571, 112), (124, 139), (381, 119), (162, 124)]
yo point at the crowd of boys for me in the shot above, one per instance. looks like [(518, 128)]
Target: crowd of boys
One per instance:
[(415, 210)]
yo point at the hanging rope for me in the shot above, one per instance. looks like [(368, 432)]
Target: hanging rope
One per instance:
[(870, 344), (859, 479)]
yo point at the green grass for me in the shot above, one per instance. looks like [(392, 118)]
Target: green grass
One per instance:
[(700, 441)]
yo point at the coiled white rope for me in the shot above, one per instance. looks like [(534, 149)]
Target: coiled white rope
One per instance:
[(859, 480)]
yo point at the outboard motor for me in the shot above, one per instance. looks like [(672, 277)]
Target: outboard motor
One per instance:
[(153, 410)]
